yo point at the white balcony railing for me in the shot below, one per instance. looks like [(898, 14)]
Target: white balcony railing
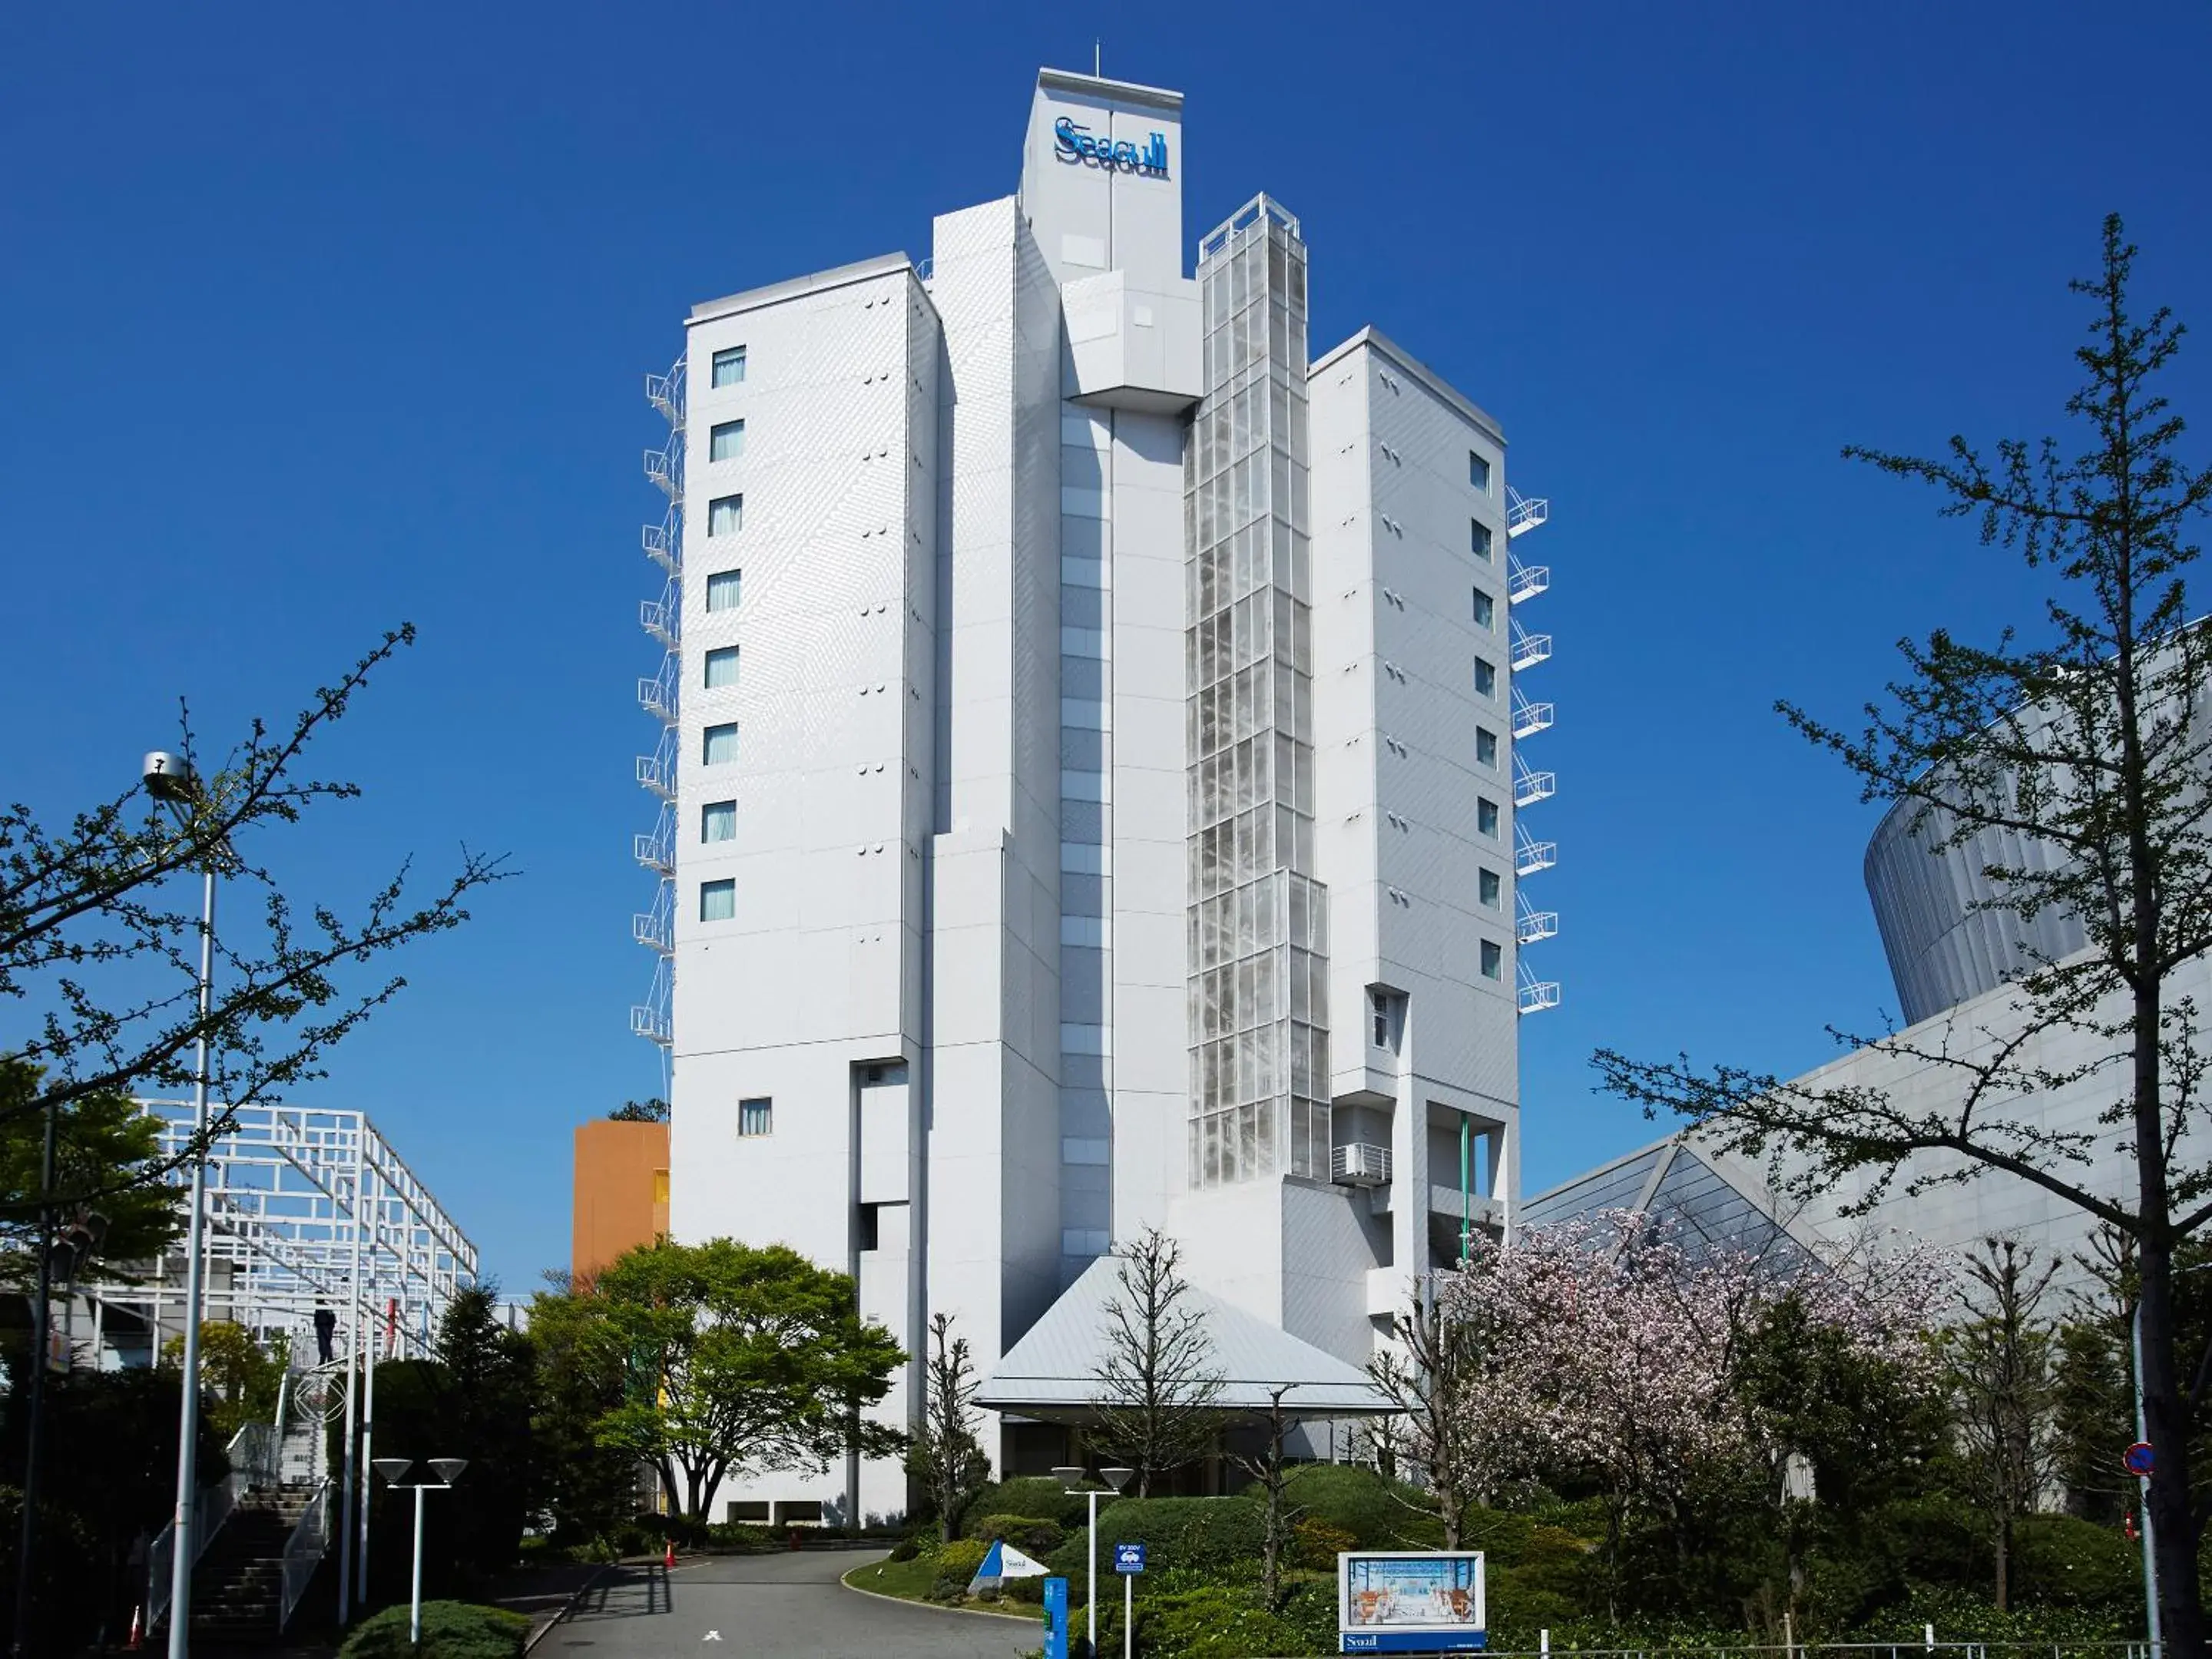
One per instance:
[(1361, 1165)]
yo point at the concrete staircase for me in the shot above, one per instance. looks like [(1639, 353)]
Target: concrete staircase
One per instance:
[(237, 1584)]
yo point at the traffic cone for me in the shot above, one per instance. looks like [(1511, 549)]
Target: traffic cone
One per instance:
[(669, 1559), (137, 1630)]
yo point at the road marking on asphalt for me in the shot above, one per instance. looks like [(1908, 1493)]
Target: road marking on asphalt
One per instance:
[(711, 1636)]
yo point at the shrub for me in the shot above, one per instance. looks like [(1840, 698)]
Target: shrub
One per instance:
[(1027, 1534), (2060, 1560), (1315, 1544), (906, 1549), (740, 1537), (956, 1568), (450, 1630), (1221, 1534), (1036, 1494), (1359, 1501)]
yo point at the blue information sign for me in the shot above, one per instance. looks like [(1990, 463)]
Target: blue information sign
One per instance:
[(1129, 1557), (1055, 1619)]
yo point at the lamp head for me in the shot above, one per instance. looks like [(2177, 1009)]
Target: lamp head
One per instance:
[(393, 1469), (1117, 1479), (449, 1469), (169, 777), (1069, 1475)]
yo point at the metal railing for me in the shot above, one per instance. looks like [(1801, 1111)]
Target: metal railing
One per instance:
[(310, 1542), (253, 1458), (1906, 1649)]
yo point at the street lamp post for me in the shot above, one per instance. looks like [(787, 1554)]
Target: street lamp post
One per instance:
[(394, 1470), (170, 778), (1076, 1483)]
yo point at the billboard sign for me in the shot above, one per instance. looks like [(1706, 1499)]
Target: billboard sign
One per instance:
[(1410, 1601)]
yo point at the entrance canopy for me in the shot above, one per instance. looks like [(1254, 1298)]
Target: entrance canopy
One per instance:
[(1052, 1373)]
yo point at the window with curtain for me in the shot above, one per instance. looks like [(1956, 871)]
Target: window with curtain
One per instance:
[(756, 1117), (721, 667), (718, 901), (730, 366), (1478, 471), (725, 515), (722, 589), (1493, 960), (725, 442), (1485, 677), (1485, 746), (1487, 888), (1479, 537), (1486, 817), (1486, 610), (720, 746), (718, 821)]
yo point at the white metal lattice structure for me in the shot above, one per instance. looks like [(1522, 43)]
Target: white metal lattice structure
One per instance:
[(308, 1206), (663, 622)]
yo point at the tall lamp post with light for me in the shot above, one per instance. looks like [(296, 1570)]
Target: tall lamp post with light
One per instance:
[(1077, 1484), (394, 1470), (170, 779)]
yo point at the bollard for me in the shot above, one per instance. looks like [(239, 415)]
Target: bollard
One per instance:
[(668, 1558)]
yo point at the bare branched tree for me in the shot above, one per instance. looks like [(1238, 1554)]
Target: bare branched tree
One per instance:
[(89, 938), (1158, 1383), (946, 1457), (1433, 1371), (2072, 769), (1271, 1472), (2004, 1389)]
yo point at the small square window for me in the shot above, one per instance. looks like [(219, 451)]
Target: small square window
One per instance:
[(721, 667), (725, 515), (725, 442), (1486, 817), (718, 821), (1478, 471), (718, 901), (722, 590), (1486, 610), (719, 747), (730, 366), (1488, 888), (1085, 1241), (1493, 960), (1485, 677), (1479, 537), (1485, 746), (1383, 1019), (756, 1117)]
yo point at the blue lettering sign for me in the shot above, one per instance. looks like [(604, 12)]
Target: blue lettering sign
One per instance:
[(1073, 142)]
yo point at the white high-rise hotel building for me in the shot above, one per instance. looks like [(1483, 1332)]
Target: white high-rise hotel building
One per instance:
[(1090, 779)]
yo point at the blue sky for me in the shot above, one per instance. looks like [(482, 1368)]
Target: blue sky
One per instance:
[(318, 320)]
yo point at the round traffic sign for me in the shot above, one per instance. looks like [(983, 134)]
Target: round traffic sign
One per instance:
[(2138, 1458)]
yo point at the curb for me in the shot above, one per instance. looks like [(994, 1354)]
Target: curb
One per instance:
[(568, 1608), (1032, 1620)]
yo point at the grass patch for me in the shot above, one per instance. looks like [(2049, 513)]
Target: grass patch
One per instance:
[(908, 1580)]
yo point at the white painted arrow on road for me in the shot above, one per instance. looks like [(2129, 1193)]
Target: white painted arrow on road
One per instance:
[(711, 1636)]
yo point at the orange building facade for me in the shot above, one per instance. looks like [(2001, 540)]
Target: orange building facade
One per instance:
[(620, 1198)]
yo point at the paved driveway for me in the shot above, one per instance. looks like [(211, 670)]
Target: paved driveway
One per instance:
[(787, 1605)]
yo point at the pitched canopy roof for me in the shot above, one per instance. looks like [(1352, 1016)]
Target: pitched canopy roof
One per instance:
[(1052, 1373)]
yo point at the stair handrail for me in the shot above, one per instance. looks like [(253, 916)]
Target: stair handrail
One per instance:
[(304, 1550), (254, 1461)]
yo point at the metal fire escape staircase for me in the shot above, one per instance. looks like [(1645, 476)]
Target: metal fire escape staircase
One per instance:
[(662, 620), (1524, 582)]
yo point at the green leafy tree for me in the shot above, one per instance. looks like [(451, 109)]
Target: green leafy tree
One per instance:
[(2077, 759), (655, 1110), (1158, 1384), (87, 931), (2002, 1379), (738, 1358), (239, 1379), (107, 1160), (590, 1489), (946, 1457)]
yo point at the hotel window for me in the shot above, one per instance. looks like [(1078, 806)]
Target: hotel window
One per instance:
[(756, 1117), (718, 901), (1478, 471), (718, 821), (1486, 610), (1485, 746), (1485, 677), (725, 442), (1383, 1019), (1486, 817), (725, 515), (721, 667), (722, 590), (1488, 887), (1493, 960), (1479, 537), (730, 366), (720, 746)]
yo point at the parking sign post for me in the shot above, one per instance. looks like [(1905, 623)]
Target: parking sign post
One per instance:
[(1128, 1561)]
